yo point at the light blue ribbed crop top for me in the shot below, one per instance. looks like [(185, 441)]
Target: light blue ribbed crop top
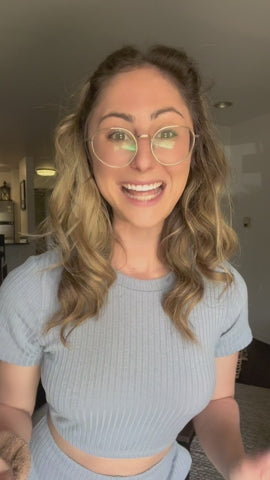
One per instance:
[(128, 383)]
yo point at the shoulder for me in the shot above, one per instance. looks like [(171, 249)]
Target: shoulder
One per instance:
[(37, 264), (235, 292), (28, 299), (235, 332), (30, 278), (45, 260), (238, 281)]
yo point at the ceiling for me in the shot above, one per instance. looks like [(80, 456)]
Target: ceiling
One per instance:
[(47, 49)]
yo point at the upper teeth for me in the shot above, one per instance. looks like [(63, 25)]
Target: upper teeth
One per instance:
[(142, 188)]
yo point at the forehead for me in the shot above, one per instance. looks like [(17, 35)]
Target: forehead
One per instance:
[(140, 92)]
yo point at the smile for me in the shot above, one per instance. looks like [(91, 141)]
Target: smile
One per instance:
[(143, 192), (142, 188)]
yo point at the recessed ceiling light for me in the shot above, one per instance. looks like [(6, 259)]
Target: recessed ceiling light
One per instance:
[(45, 171), (223, 105)]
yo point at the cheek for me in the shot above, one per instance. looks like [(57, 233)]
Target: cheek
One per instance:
[(99, 177), (181, 177), (104, 180)]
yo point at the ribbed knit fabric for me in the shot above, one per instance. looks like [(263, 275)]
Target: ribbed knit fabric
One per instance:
[(49, 462), (128, 382)]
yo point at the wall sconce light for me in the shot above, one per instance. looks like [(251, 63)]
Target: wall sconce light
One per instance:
[(45, 171)]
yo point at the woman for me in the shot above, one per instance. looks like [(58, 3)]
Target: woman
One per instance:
[(135, 317)]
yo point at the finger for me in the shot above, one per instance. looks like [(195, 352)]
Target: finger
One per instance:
[(7, 475), (266, 466), (5, 471), (263, 460)]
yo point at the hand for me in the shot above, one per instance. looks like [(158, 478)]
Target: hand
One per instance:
[(5, 471), (256, 467)]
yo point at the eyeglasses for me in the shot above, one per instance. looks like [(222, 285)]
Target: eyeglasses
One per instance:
[(117, 147)]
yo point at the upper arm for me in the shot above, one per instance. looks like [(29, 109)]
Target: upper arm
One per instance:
[(18, 386), (225, 376)]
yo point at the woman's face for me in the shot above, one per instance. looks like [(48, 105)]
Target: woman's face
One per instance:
[(143, 193)]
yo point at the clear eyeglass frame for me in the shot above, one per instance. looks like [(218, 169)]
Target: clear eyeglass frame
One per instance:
[(144, 135)]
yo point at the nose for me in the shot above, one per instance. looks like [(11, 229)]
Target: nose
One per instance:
[(144, 159)]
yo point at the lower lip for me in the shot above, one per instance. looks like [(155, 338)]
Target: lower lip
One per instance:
[(146, 199)]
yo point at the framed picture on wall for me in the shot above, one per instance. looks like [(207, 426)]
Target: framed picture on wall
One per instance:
[(22, 195)]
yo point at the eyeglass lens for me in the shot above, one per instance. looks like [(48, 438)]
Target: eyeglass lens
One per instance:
[(117, 147)]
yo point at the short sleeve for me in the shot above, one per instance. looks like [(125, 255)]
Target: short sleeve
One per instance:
[(236, 333), (22, 314)]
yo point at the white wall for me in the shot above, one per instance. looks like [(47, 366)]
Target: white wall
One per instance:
[(249, 153)]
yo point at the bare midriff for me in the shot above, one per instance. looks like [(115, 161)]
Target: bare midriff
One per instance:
[(103, 465)]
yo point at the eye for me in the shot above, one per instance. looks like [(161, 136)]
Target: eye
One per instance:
[(118, 136), (166, 134)]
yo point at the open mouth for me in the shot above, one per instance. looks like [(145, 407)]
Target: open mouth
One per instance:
[(143, 192)]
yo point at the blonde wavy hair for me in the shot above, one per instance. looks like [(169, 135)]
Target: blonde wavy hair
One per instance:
[(195, 242)]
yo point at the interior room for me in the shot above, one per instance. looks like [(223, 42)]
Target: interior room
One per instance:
[(48, 49)]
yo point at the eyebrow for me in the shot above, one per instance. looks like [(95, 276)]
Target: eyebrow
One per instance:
[(124, 116), (130, 118), (166, 110)]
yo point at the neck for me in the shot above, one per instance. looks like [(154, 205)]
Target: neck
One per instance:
[(136, 253)]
